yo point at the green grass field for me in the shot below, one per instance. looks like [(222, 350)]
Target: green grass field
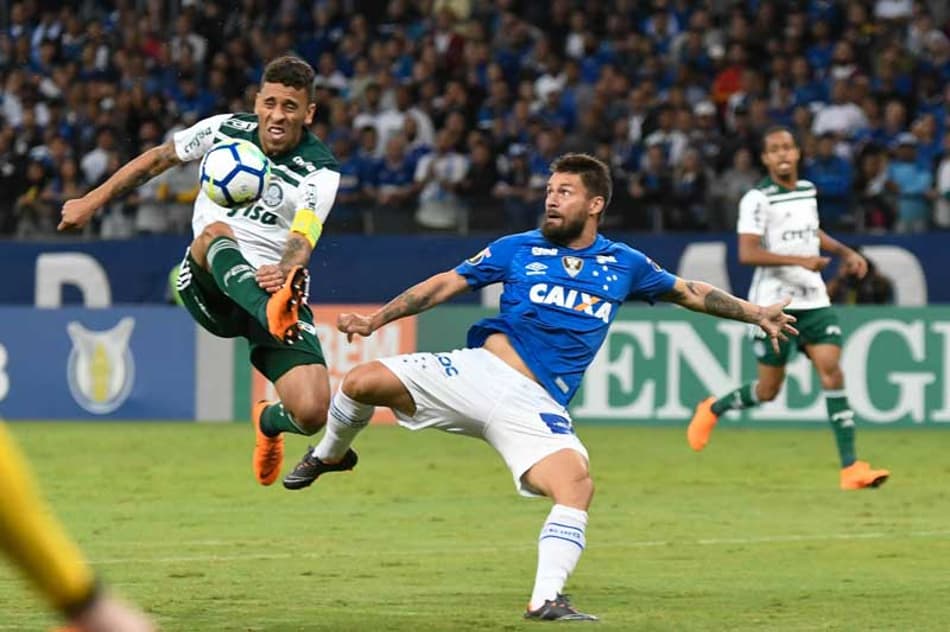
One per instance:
[(428, 534)]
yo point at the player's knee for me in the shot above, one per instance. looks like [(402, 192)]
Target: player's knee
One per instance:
[(215, 230), (360, 383), (310, 415), (832, 379), (577, 493)]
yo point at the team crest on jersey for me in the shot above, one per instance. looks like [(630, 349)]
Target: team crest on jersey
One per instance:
[(100, 369), (572, 265), (274, 195), (477, 259)]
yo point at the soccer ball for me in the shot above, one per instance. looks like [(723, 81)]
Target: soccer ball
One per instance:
[(234, 173)]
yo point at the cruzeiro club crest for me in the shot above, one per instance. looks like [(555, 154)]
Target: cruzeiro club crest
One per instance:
[(100, 369)]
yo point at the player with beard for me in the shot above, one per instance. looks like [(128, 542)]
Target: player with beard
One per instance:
[(512, 383)]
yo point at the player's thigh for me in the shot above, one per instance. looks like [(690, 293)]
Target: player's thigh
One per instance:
[(375, 384), (766, 354), (305, 390), (526, 429), (273, 358), (455, 391), (207, 304), (826, 357), (818, 327)]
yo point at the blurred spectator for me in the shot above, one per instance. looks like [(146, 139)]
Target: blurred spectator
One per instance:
[(875, 208), (478, 187), (842, 116), (846, 288), (352, 194), (689, 210), (652, 188), (834, 179), (912, 184), (942, 208), (729, 188), (35, 217), (439, 175), (514, 189), (392, 182)]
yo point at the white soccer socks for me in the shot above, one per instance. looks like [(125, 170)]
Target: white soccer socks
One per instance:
[(559, 548), (346, 418)]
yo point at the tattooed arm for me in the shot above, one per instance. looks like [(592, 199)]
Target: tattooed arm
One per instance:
[(76, 213), (703, 297), (434, 290)]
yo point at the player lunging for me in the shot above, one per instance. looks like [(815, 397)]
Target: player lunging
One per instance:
[(245, 272), (563, 285), (779, 234)]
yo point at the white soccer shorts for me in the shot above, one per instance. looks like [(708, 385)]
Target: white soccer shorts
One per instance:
[(474, 393)]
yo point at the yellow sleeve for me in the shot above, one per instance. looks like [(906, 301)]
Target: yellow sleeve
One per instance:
[(34, 539), (308, 224)]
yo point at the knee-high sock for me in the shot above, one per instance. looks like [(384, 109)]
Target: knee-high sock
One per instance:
[(842, 423), (276, 419), (742, 397), (347, 417), (33, 538), (559, 548), (236, 278)]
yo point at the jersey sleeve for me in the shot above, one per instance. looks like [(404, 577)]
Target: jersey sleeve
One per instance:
[(648, 280), (317, 192), (490, 265), (193, 143), (752, 208)]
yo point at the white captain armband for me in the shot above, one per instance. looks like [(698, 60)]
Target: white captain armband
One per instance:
[(308, 224)]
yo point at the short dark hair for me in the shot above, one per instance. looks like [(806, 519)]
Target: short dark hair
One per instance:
[(594, 173), (292, 71), (775, 129)]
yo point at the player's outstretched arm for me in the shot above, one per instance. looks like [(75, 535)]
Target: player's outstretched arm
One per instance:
[(76, 213), (751, 253), (703, 297), (852, 260), (420, 297)]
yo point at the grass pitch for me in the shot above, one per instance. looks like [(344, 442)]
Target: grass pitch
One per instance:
[(428, 534)]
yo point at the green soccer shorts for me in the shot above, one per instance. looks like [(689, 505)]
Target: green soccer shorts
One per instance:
[(221, 316), (815, 326)]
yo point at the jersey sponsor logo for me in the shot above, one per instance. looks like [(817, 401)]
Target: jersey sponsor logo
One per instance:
[(245, 126), (310, 196), (100, 369), (538, 251), (535, 267), (274, 195), (477, 259), (572, 265), (575, 300), (793, 235), (602, 259)]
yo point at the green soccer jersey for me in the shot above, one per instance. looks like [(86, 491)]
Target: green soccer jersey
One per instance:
[(306, 177), (786, 220)]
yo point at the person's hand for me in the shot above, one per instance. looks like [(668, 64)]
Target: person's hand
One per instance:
[(776, 323), (108, 614), (270, 277), (816, 264), (854, 264), (76, 213), (354, 324)]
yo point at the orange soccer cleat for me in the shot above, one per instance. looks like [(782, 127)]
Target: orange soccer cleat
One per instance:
[(283, 306), (268, 451), (702, 424), (859, 475)]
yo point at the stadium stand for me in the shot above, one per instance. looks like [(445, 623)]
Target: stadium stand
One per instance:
[(672, 93)]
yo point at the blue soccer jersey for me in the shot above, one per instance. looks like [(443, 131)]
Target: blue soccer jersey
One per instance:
[(557, 302)]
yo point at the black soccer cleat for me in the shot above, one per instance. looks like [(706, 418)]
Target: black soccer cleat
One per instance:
[(310, 468), (558, 609)]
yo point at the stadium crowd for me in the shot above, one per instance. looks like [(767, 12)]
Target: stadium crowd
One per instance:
[(445, 114)]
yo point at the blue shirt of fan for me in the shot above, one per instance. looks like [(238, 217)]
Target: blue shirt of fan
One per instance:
[(557, 302)]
